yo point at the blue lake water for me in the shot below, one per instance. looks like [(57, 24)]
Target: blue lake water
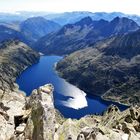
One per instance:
[(68, 99)]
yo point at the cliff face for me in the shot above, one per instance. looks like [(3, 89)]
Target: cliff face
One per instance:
[(15, 57), (37, 119)]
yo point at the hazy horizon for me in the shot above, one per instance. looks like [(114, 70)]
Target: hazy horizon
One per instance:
[(46, 12), (60, 6)]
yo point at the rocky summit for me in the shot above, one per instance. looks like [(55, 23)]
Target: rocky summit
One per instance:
[(35, 118)]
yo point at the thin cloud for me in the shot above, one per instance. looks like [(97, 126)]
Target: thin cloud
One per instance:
[(126, 6)]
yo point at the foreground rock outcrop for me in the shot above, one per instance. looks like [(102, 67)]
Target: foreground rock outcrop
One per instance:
[(11, 106), (42, 120), (35, 118)]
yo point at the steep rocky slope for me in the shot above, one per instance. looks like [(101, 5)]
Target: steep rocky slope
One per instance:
[(15, 56), (72, 37), (37, 119), (110, 68)]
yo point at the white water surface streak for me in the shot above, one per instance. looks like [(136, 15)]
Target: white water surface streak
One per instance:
[(76, 97)]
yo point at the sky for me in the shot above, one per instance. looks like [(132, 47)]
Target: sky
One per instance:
[(125, 6)]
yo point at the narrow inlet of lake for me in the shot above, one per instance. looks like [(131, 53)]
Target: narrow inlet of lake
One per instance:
[(68, 99)]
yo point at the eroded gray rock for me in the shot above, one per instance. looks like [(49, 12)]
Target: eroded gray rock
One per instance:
[(41, 123)]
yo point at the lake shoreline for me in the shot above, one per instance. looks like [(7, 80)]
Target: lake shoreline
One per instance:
[(88, 92), (66, 95)]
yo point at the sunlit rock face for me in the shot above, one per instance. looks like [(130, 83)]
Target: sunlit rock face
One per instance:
[(113, 125), (41, 123), (11, 107)]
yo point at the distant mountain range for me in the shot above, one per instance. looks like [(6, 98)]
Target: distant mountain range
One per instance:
[(34, 25), (110, 68), (66, 17), (37, 27), (72, 17), (83, 33), (27, 31)]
